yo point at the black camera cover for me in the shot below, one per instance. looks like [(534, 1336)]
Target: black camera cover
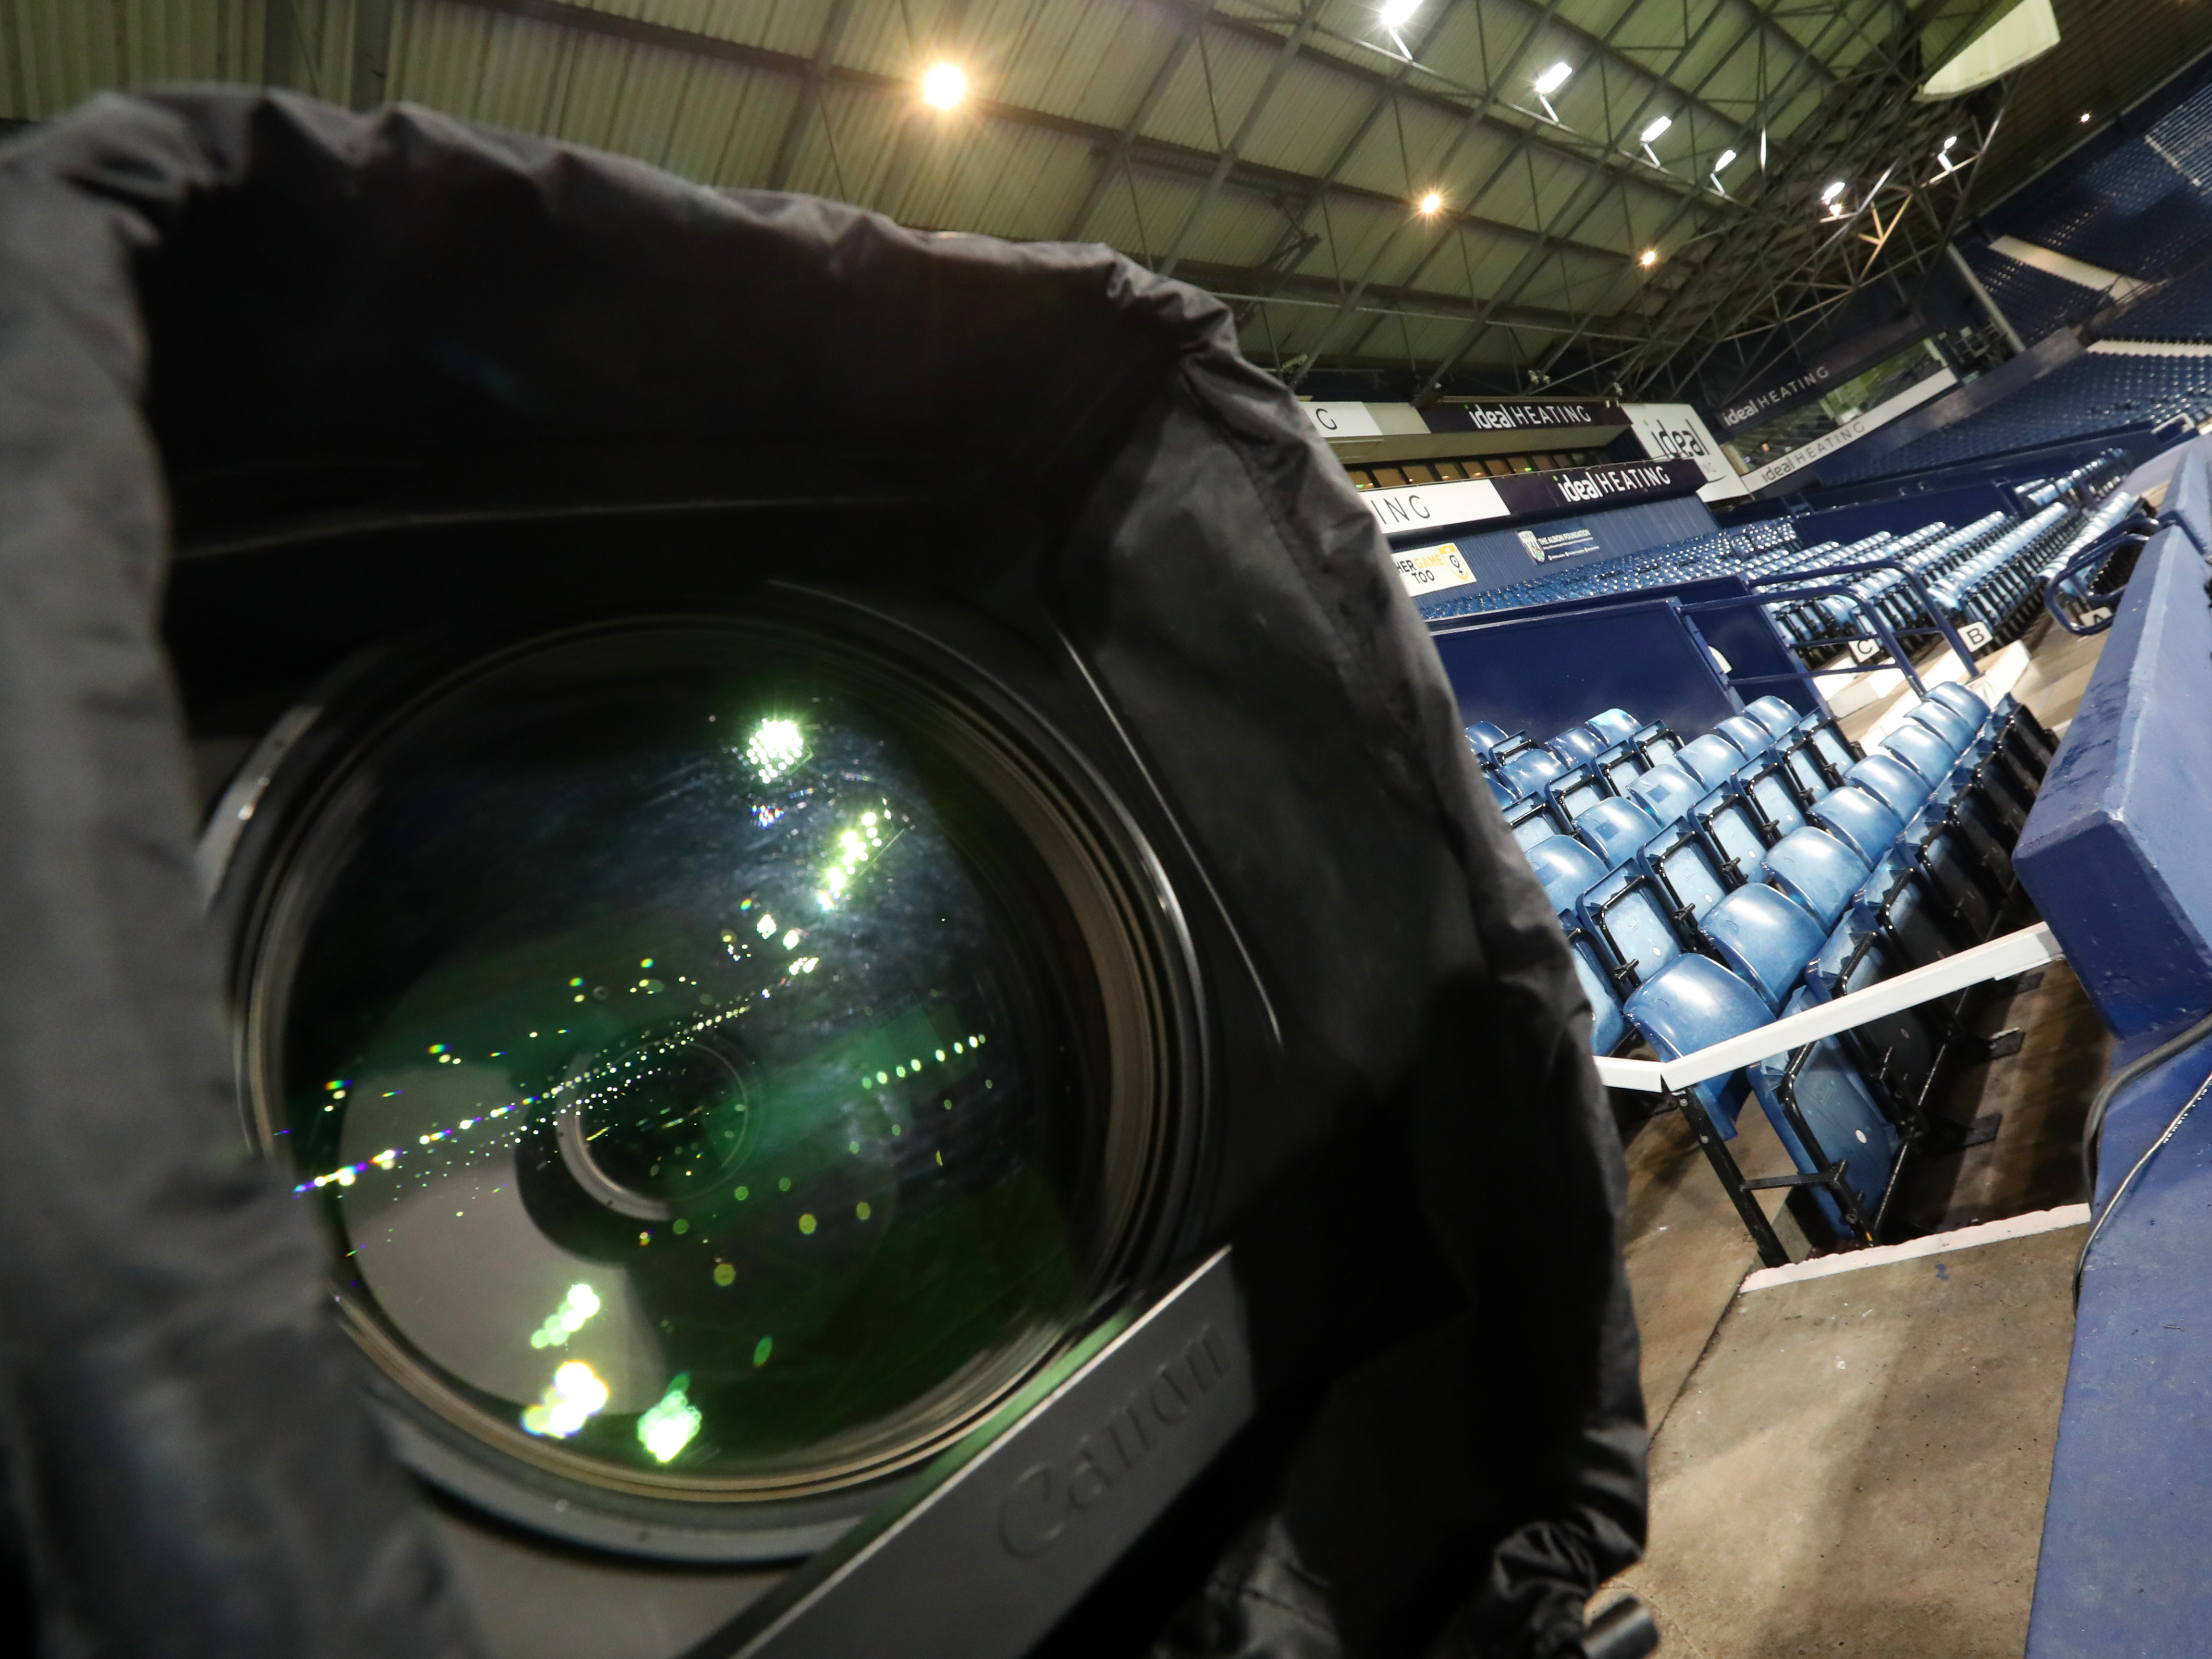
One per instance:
[(219, 307)]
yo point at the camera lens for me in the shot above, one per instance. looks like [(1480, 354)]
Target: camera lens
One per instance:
[(707, 1069)]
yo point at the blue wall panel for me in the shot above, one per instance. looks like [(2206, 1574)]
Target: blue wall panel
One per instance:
[(1545, 673), (2115, 851)]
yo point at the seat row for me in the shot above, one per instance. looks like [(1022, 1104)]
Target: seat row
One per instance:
[(1767, 864)]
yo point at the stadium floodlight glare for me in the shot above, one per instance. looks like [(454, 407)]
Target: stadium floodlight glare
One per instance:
[(1947, 143), (1723, 159), (1650, 258), (1553, 79), (1833, 191), (1652, 134), (1432, 202), (1396, 14), (945, 86)]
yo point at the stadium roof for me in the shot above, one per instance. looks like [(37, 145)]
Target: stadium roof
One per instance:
[(1451, 194)]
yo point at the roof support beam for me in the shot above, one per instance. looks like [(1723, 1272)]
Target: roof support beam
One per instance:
[(1157, 153), (1293, 44), (809, 96), (1776, 98), (1188, 18), (1578, 209), (1525, 271), (372, 53), (1473, 119), (1309, 293)]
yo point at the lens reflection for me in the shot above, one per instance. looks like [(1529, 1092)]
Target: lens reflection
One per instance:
[(688, 1061)]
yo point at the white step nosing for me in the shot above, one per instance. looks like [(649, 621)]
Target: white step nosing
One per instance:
[(1882, 1256)]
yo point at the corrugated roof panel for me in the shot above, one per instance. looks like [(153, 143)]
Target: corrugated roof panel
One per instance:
[(493, 70), (1139, 220), (899, 41), (1240, 229), (1090, 59), (1312, 116), (1235, 67), (733, 123), (788, 26), (850, 157), (994, 178), (1402, 150)]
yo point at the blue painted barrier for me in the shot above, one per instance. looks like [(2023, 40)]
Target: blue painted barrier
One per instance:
[(1744, 632), (2115, 851), (1541, 674), (2115, 855)]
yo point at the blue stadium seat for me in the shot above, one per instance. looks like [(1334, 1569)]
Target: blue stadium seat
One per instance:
[(1709, 759), (1614, 830), (1608, 1029), (1678, 859), (1731, 829), (1634, 925), (1774, 796), (1500, 791), (1858, 820), (1946, 723), (1766, 939), (1655, 743), (1532, 817), (1532, 768), (1566, 867), (1666, 792), (1620, 766), (1818, 871), (1576, 791), (1958, 882), (1922, 750), (1614, 726), (1485, 736), (1834, 750), (1693, 1005), (1961, 702), (1891, 782), (1750, 737), (1806, 769), (1898, 1052), (1579, 744), (1825, 1114), (1776, 715)]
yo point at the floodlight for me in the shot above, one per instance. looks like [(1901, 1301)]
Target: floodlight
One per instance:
[(1724, 158), (1553, 79), (945, 86), (1396, 14), (1948, 141), (1833, 191), (1651, 134), (1649, 258), (1432, 202)]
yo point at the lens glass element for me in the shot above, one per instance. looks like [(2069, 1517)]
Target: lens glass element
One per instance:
[(687, 1054)]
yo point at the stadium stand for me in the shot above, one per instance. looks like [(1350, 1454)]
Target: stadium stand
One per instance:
[(1763, 868), (2118, 386), (2131, 210), (2034, 301)]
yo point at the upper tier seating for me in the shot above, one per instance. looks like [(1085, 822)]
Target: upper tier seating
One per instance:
[(2130, 210), (2100, 391), (2034, 301)]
